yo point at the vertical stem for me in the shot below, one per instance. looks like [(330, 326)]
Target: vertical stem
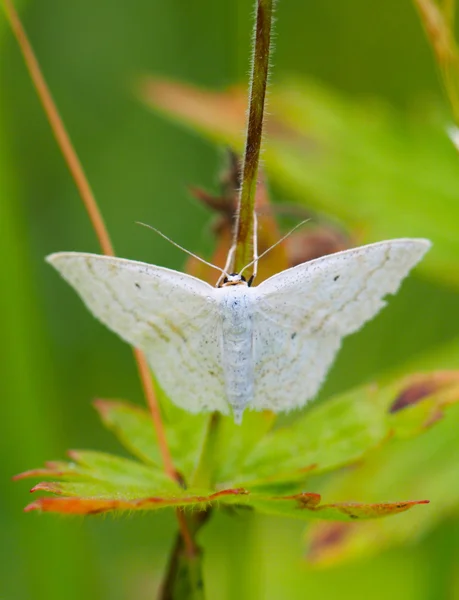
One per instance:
[(257, 95), (184, 573)]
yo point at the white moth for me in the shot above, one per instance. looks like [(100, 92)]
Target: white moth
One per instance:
[(263, 347)]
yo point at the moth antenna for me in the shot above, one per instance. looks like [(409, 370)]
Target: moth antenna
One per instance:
[(255, 260), (182, 248)]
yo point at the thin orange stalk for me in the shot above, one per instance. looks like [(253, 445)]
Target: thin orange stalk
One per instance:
[(191, 549), (150, 396), (92, 208)]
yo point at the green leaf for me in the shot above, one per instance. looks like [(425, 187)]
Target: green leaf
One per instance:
[(344, 429), (133, 426), (118, 470), (96, 473), (427, 465), (327, 436), (236, 442), (97, 497), (96, 482)]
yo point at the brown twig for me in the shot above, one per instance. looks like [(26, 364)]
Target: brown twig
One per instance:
[(100, 228), (257, 96)]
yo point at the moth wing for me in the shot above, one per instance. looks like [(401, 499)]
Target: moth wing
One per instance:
[(172, 317), (303, 313)]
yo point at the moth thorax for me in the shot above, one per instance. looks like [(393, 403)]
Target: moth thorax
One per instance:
[(233, 279)]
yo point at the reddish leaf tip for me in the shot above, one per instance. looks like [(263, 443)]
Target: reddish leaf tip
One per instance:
[(47, 486), (229, 492), (356, 510), (73, 454), (412, 395), (52, 469), (420, 386), (33, 506), (103, 406)]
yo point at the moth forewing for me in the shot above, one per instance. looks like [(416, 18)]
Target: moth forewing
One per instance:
[(303, 313), (171, 316)]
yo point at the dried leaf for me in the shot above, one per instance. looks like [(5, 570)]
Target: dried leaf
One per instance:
[(307, 506)]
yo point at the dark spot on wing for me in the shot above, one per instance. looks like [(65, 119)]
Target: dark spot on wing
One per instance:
[(137, 286), (335, 278), (211, 373), (293, 336)]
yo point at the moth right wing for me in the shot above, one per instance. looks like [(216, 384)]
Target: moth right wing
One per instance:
[(303, 313), (172, 317)]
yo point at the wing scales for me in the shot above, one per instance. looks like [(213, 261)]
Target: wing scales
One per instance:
[(171, 316), (303, 313)]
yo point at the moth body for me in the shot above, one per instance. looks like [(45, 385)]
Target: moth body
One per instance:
[(236, 308)]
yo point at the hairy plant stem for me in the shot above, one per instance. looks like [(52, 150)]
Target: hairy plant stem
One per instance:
[(184, 575), (184, 578), (245, 222)]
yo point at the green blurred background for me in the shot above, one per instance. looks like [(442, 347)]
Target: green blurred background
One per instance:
[(55, 358)]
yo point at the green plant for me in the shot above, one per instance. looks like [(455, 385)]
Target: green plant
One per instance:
[(262, 465)]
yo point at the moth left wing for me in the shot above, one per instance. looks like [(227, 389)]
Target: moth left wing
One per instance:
[(173, 317), (303, 313)]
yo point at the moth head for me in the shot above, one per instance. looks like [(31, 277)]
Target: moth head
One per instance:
[(233, 279)]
